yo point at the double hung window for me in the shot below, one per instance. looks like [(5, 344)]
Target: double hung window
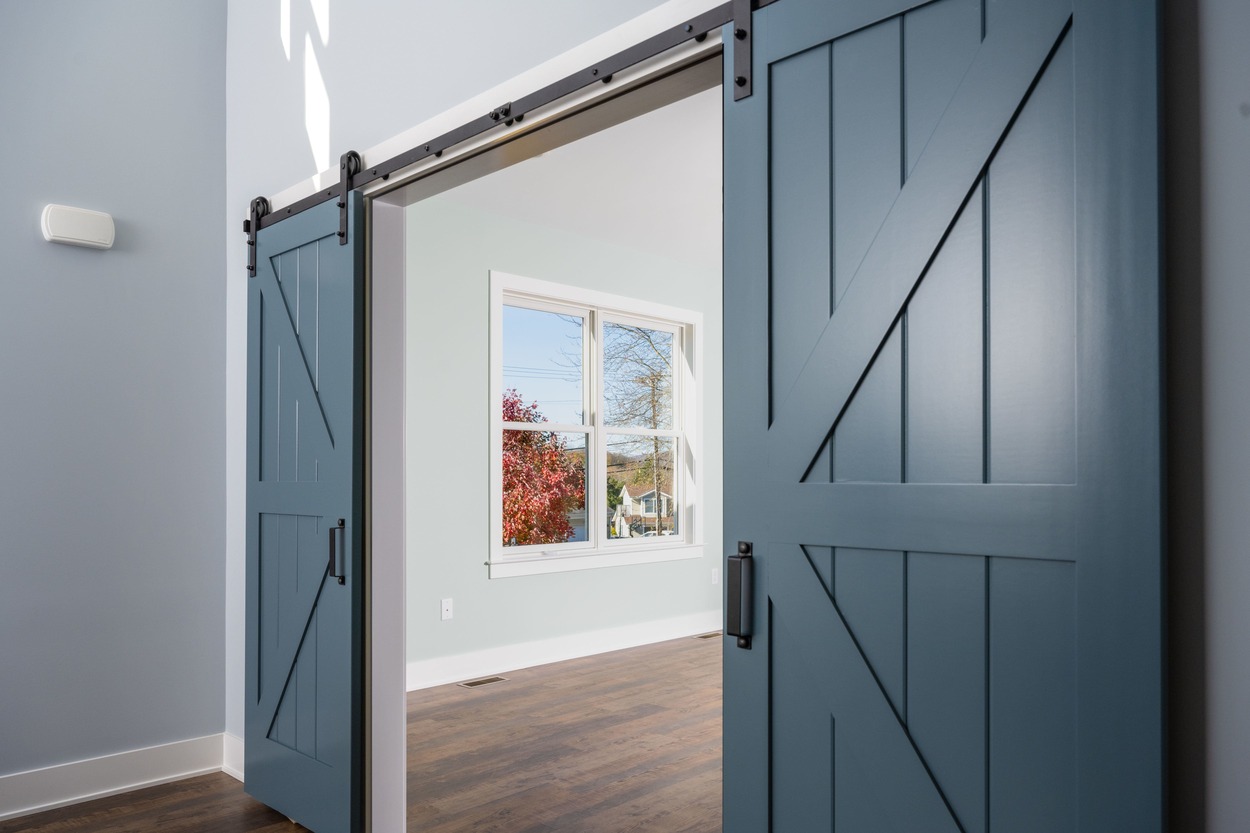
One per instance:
[(594, 453)]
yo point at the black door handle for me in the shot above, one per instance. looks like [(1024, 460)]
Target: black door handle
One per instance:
[(738, 613), (334, 562)]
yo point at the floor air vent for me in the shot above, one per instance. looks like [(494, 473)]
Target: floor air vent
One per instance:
[(711, 635), (482, 682)]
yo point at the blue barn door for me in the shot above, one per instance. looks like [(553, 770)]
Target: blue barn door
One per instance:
[(305, 604), (942, 419)]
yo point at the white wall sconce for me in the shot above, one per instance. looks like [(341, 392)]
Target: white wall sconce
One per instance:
[(77, 226)]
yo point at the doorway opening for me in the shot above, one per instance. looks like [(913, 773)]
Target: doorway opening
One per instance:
[(576, 270)]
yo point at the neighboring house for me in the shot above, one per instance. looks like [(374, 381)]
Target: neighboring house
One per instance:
[(643, 504), (636, 513)]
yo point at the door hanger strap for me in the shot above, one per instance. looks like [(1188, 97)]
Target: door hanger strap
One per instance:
[(742, 48), (349, 166)]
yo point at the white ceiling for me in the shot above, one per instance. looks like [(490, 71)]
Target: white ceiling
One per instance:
[(652, 183)]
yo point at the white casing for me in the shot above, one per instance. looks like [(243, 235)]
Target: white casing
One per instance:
[(77, 226)]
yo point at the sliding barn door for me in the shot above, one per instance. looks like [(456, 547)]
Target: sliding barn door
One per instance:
[(305, 604), (942, 418)]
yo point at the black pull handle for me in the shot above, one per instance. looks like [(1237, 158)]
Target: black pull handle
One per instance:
[(334, 561), (738, 613)]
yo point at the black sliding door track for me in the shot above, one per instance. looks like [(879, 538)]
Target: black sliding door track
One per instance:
[(511, 112)]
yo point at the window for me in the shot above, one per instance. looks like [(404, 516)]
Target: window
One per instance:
[(594, 449)]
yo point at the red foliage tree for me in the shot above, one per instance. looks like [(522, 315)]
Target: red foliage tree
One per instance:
[(542, 482)]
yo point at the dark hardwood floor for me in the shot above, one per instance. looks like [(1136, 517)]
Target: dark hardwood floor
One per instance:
[(625, 741), (210, 802)]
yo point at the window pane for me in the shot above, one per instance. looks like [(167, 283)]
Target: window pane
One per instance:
[(640, 495), (544, 488), (542, 366), (637, 376)]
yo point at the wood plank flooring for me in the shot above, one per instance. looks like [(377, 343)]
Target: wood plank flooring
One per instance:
[(625, 742), (210, 802)]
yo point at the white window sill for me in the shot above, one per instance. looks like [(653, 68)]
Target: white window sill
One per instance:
[(506, 566)]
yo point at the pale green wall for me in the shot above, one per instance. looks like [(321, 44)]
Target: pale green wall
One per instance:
[(451, 249)]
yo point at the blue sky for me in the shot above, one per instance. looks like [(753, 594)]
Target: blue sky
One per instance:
[(542, 359)]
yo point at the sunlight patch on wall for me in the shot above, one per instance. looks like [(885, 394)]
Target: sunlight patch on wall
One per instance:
[(321, 13), (316, 108), (284, 26)]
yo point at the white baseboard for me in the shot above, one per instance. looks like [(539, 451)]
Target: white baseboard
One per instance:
[(442, 670), (23, 793), (232, 756)]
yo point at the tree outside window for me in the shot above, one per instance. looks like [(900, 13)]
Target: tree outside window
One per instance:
[(544, 481)]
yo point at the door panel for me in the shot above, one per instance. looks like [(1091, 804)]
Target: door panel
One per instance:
[(305, 446), (946, 690), (1032, 691), (799, 183), (943, 437), (973, 123), (944, 362), (1030, 234), (865, 441), (939, 42), (867, 132)]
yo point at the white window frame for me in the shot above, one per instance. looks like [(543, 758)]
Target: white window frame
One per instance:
[(599, 550)]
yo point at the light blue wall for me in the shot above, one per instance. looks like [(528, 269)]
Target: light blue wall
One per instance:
[(451, 251), (112, 427), (386, 65)]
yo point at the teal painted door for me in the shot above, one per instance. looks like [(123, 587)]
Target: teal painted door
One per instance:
[(942, 418), (305, 627)]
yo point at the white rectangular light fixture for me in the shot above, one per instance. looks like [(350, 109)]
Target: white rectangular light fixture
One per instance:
[(77, 226)]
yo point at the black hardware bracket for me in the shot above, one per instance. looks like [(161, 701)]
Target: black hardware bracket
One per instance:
[(259, 208), (349, 166), (502, 113), (742, 25)]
